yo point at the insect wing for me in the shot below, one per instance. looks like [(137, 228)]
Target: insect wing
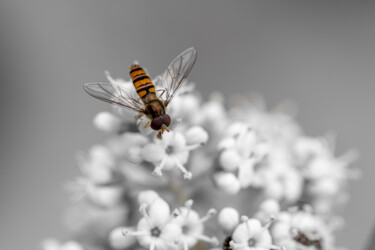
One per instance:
[(176, 73), (115, 94)]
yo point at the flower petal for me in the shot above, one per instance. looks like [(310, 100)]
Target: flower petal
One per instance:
[(178, 142), (196, 135), (147, 197), (153, 153), (240, 234), (182, 156), (171, 232), (159, 213), (255, 227)]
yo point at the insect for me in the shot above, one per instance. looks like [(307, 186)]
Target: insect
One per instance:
[(226, 243), (144, 99), (304, 240)]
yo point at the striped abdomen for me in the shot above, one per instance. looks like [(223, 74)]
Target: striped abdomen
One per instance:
[(142, 82)]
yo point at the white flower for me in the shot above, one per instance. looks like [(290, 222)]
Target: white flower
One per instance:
[(282, 183), (192, 226), (307, 147), (239, 153), (228, 219), (117, 240), (289, 224), (170, 152), (52, 244), (107, 122), (156, 229), (327, 176), (251, 235), (102, 195), (106, 196), (99, 165)]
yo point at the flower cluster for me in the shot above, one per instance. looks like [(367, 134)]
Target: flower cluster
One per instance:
[(271, 227), (275, 187), (162, 229)]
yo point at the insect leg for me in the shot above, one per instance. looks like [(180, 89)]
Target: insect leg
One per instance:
[(147, 124), (159, 136), (139, 115)]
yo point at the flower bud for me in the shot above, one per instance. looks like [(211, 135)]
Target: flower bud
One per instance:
[(196, 135), (189, 104), (117, 240), (107, 122), (226, 143), (236, 128), (229, 160), (152, 153), (107, 196), (147, 196), (274, 190), (99, 174), (228, 219), (270, 207), (227, 182), (102, 155)]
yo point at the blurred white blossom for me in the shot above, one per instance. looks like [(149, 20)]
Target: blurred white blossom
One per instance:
[(292, 222), (52, 244)]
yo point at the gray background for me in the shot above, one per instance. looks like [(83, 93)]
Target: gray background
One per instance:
[(320, 54)]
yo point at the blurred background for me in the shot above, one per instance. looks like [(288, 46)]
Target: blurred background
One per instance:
[(320, 54)]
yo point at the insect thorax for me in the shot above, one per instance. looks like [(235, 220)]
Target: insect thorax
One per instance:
[(155, 108)]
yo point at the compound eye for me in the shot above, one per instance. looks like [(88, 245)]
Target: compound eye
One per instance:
[(156, 123), (166, 119)]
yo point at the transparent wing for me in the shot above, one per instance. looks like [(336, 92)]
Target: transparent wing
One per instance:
[(176, 73), (115, 94)]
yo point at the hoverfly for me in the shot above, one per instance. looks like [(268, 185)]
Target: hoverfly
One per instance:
[(304, 240), (144, 99)]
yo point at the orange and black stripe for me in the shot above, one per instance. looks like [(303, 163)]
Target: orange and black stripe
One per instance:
[(141, 81)]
